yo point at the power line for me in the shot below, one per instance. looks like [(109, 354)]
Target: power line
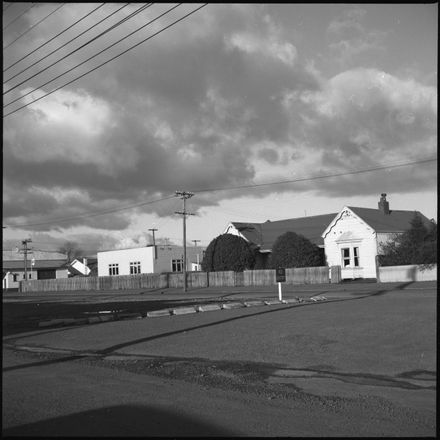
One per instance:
[(305, 179), (226, 188), (21, 15), (7, 6), (32, 27), (142, 8), (47, 42), (111, 59), (68, 42), (109, 211)]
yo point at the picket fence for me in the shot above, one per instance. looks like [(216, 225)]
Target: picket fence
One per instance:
[(307, 275)]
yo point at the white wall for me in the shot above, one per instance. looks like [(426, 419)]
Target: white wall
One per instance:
[(393, 274), (123, 257), (356, 233), (61, 273)]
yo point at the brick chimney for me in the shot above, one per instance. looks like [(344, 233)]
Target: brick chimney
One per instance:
[(383, 205)]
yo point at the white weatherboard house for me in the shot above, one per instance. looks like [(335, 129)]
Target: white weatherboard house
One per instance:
[(351, 238), (354, 237), (149, 259)]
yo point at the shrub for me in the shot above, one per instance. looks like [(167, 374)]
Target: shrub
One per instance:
[(417, 245), (228, 252), (295, 250)]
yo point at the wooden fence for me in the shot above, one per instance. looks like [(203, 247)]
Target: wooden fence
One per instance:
[(309, 275)]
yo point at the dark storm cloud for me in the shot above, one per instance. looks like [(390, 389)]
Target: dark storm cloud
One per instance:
[(191, 110)]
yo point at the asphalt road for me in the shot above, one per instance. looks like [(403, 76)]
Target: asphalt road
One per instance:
[(24, 312), (362, 363)]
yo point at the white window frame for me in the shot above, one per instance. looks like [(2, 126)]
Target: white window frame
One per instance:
[(113, 269), (346, 259), (177, 263), (353, 257), (135, 267), (356, 256)]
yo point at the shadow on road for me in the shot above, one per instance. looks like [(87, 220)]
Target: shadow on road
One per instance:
[(121, 421), (42, 363)]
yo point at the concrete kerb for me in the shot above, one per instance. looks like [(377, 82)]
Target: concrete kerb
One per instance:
[(208, 307), (176, 311), (184, 310)]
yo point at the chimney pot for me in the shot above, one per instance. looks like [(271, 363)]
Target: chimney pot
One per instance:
[(383, 205)]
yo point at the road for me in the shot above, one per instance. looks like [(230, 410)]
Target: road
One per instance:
[(362, 363)]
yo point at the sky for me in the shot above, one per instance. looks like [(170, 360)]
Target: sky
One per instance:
[(262, 111)]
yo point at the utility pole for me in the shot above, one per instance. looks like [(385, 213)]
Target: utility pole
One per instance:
[(25, 250), (184, 195), (154, 243)]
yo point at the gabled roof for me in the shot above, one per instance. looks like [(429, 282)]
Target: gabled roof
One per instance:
[(265, 234), (395, 221), (12, 255), (39, 264)]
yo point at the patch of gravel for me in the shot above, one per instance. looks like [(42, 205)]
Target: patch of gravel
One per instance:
[(251, 378)]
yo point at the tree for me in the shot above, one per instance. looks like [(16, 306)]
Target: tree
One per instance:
[(71, 249), (228, 252), (295, 250), (417, 245)]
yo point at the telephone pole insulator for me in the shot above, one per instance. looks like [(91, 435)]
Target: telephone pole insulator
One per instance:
[(184, 195)]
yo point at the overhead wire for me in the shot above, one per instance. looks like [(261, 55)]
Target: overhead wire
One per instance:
[(7, 6), (95, 214), (21, 15), (114, 26), (141, 9), (68, 42), (33, 26), (47, 42), (226, 188), (108, 61), (325, 176)]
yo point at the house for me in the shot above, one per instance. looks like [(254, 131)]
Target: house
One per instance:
[(262, 236), (149, 259), (39, 266), (354, 237), (351, 238)]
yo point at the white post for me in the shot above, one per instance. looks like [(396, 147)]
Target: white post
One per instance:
[(280, 295)]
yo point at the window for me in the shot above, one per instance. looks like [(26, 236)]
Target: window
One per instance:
[(356, 256), (113, 269), (177, 265), (135, 267), (345, 257), (15, 277), (24, 276)]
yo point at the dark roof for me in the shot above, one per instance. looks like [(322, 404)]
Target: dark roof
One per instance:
[(39, 264), (395, 221), (265, 234)]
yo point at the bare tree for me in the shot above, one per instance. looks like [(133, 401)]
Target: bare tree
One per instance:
[(71, 249)]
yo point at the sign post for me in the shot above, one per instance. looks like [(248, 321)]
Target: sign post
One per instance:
[(280, 278)]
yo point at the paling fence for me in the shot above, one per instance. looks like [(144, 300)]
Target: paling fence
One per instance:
[(308, 275)]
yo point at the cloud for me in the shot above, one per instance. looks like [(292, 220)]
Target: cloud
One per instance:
[(348, 37), (223, 99), (365, 118)]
